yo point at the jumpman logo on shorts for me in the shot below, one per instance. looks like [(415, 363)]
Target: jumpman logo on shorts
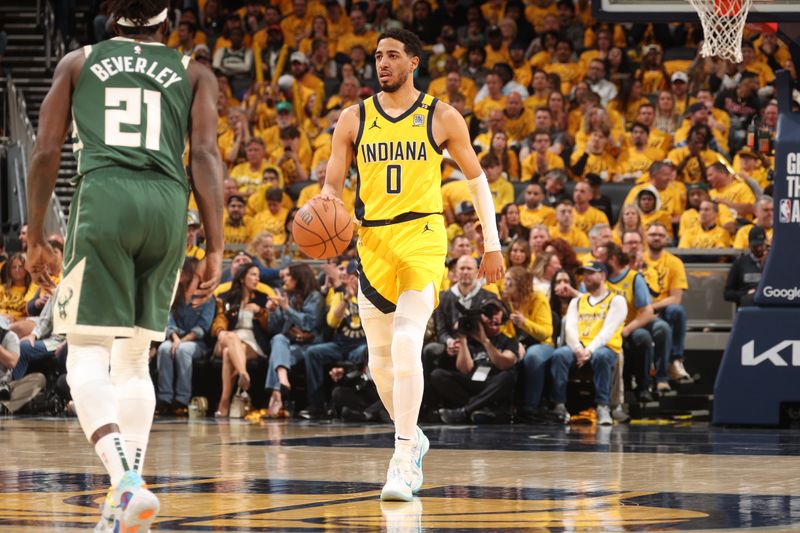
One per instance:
[(375, 124), (426, 228)]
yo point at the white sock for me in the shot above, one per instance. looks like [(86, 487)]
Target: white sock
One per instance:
[(94, 398), (110, 450), (135, 395)]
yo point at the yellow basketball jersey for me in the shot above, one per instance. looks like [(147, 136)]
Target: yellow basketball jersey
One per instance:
[(591, 319), (624, 287), (399, 163)]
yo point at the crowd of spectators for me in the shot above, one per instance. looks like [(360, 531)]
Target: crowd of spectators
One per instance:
[(561, 109)]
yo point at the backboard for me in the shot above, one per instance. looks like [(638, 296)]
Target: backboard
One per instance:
[(682, 11)]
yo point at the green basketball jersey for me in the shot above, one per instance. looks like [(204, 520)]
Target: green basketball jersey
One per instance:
[(130, 108)]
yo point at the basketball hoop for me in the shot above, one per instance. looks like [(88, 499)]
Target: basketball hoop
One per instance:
[(723, 25)]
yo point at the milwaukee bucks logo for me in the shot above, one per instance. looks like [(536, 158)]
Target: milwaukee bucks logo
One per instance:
[(63, 302)]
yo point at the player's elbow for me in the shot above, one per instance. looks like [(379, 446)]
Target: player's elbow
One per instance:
[(45, 151), (204, 153)]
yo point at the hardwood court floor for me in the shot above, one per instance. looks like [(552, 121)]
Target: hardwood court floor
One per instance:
[(278, 476)]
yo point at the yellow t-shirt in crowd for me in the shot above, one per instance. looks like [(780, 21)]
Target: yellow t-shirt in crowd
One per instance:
[(544, 214), (603, 165), (248, 180), (584, 221), (488, 104), (238, 235), (691, 172), (742, 238), (502, 193), (455, 192), (575, 237), (273, 223), (738, 192), (697, 237), (530, 165), (670, 274)]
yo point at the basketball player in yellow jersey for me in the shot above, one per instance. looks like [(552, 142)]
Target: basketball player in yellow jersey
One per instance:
[(396, 138)]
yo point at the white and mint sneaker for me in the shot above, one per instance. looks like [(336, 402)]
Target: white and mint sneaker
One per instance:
[(403, 474), (129, 506)]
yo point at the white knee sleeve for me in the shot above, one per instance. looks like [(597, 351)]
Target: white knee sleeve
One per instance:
[(89, 381), (135, 394), (414, 309), (378, 327)]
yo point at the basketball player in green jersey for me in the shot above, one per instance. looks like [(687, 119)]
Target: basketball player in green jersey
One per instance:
[(397, 138), (131, 102)]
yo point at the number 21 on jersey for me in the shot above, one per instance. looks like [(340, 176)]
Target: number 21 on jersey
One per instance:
[(124, 106)]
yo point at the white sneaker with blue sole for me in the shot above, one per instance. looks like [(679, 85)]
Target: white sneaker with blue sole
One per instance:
[(401, 477), (404, 477)]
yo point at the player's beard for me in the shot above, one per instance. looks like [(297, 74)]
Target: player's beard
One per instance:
[(392, 87)]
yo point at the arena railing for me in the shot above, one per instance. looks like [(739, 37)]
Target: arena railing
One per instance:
[(22, 134)]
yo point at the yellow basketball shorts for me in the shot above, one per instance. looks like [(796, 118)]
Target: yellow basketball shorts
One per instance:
[(400, 257)]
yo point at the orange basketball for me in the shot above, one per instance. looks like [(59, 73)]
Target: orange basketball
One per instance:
[(322, 228)]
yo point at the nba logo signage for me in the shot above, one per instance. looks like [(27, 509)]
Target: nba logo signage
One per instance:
[(780, 280), (788, 208), (785, 211)]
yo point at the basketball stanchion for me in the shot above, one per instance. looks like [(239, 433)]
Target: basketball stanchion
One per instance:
[(760, 370)]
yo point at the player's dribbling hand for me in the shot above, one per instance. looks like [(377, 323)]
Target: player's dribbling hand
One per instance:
[(492, 266), (41, 261), (206, 278), (329, 197)]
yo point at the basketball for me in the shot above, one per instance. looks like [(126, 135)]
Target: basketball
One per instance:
[(322, 228)]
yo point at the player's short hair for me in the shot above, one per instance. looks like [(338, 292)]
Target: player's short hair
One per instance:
[(412, 45), (139, 11)]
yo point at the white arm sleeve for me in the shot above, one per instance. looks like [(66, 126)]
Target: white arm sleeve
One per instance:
[(484, 206), (617, 312), (571, 325)]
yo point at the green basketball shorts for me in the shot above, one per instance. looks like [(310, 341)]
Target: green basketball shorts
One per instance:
[(124, 251)]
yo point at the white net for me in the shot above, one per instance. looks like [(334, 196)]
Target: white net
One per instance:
[(723, 26)]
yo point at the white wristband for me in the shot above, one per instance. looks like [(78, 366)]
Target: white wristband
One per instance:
[(484, 207)]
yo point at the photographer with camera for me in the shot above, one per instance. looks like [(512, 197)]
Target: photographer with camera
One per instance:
[(482, 386), (466, 291)]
